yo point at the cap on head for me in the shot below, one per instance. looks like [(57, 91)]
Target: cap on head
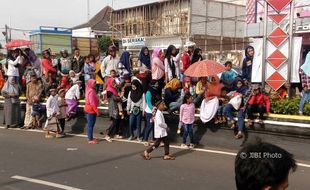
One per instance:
[(255, 87)]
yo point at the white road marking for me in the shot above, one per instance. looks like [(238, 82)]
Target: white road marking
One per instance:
[(46, 183), (172, 146)]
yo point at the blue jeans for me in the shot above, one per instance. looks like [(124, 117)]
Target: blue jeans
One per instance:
[(135, 122), (303, 101), (148, 126), (188, 130), (228, 109), (220, 111), (176, 105), (91, 120)]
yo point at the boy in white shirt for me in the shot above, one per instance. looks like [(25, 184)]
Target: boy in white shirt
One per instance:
[(160, 133)]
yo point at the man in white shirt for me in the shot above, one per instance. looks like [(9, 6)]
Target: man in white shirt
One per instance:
[(110, 62)]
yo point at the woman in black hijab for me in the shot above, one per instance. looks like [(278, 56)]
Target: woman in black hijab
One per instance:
[(196, 56), (135, 108)]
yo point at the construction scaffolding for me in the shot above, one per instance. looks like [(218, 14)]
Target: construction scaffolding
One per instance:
[(156, 19), (216, 27)]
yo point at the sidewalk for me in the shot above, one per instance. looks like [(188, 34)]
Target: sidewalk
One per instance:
[(289, 125)]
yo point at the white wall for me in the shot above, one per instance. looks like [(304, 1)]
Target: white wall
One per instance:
[(213, 18), (83, 32)]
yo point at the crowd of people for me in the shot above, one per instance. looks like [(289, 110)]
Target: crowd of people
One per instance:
[(158, 84)]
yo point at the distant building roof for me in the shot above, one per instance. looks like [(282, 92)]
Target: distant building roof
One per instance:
[(99, 21)]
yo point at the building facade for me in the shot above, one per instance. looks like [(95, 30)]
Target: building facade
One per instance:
[(216, 27), (55, 38)]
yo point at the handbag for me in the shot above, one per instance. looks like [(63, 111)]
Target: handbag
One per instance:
[(236, 102), (135, 110)]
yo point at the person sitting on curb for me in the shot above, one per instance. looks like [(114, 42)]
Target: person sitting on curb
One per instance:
[(258, 103), (305, 97), (237, 104)]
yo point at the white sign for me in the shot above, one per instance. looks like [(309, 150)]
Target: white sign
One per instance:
[(302, 28), (140, 41)]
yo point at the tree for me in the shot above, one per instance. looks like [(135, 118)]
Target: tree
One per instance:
[(104, 42)]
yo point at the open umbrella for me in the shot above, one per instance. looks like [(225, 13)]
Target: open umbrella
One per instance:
[(18, 43), (204, 68)]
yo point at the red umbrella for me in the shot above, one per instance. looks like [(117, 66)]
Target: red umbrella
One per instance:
[(18, 43), (204, 68)]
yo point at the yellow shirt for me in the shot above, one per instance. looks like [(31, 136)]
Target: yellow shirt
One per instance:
[(98, 79), (199, 88)]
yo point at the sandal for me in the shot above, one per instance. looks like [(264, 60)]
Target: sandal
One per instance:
[(168, 157), (49, 136), (233, 125), (92, 142), (239, 135), (146, 156), (60, 136), (249, 123)]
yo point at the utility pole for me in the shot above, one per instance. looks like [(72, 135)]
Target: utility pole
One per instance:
[(88, 11), (6, 34), (112, 22)]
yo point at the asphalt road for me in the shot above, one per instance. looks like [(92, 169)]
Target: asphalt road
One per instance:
[(116, 165)]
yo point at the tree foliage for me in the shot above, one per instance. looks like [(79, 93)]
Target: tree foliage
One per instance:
[(104, 42)]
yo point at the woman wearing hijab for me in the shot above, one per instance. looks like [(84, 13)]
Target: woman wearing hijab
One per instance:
[(124, 66), (237, 106), (158, 69), (144, 58), (196, 56), (172, 67), (91, 109), (115, 107), (12, 111), (188, 88), (247, 63), (135, 108), (171, 91), (150, 97)]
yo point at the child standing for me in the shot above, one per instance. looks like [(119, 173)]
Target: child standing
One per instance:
[(160, 133), (36, 112), (52, 111), (89, 70), (187, 118), (62, 110)]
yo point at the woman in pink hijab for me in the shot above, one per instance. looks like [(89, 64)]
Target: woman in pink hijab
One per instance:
[(158, 68), (91, 109)]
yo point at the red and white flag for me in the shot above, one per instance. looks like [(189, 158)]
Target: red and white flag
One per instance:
[(250, 11)]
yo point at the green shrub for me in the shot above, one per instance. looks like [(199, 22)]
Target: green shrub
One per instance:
[(288, 106), (307, 109)]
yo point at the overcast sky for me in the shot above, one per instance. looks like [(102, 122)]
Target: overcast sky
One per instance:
[(30, 14)]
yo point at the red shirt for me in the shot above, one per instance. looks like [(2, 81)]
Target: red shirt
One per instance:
[(186, 60), (47, 67), (260, 99)]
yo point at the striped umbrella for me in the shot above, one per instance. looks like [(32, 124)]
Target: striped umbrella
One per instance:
[(204, 68), (18, 43)]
